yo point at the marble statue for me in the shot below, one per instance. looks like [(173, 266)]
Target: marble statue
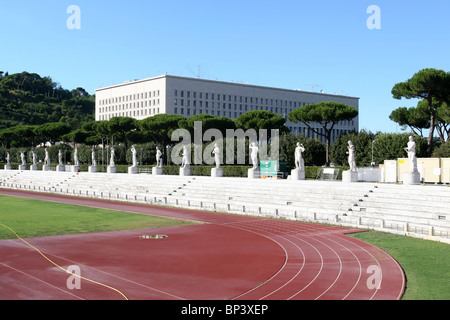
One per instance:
[(157, 170), (413, 175), (254, 154), (94, 161), (33, 154), (60, 166), (46, 158), (134, 168), (112, 162), (350, 175), (254, 171), (133, 152), (46, 166), (158, 158), (22, 158), (185, 169), (8, 162), (185, 161), (76, 162), (33, 166), (351, 157), (60, 159), (299, 162), (93, 168), (23, 165), (217, 171), (411, 150), (299, 172), (216, 153), (112, 165)]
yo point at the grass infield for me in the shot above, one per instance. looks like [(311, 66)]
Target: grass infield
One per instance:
[(37, 218), (426, 263)]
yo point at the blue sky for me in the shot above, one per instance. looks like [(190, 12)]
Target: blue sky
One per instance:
[(286, 44)]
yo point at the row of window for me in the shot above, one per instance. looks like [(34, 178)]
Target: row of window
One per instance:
[(134, 113), (130, 97), (236, 99), (128, 106), (230, 106)]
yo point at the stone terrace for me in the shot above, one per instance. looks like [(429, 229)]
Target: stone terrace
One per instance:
[(415, 210)]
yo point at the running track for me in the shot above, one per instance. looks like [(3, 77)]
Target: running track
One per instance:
[(224, 257)]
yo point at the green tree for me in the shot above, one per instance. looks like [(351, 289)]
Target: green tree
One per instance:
[(327, 114), (121, 129), (261, 119), (431, 85), (313, 155), (51, 132), (363, 148), (159, 128), (443, 151), (208, 122), (416, 118), (443, 122), (391, 146)]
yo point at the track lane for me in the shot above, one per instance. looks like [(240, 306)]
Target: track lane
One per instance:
[(320, 262)]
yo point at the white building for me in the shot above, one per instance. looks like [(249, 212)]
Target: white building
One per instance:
[(190, 96)]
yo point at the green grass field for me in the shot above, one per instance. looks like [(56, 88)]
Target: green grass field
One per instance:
[(426, 263), (36, 218)]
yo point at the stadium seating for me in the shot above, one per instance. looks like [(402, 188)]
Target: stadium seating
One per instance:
[(415, 210)]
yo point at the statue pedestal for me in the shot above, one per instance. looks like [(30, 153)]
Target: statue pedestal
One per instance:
[(22, 167), (45, 168), (111, 169), (297, 174), (186, 171), (60, 168), (33, 167), (253, 173), (133, 170), (157, 171), (350, 176), (411, 178), (7, 167), (216, 172), (92, 169)]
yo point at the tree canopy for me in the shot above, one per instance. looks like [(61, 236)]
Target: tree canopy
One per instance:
[(416, 118), (431, 85), (326, 114), (29, 99), (261, 119)]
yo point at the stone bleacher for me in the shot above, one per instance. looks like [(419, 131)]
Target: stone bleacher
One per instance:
[(417, 210)]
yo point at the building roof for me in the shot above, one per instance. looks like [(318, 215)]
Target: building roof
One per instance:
[(131, 82)]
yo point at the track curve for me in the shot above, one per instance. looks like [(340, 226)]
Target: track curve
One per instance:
[(264, 259)]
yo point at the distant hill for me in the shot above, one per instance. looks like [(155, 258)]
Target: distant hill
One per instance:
[(29, 99)]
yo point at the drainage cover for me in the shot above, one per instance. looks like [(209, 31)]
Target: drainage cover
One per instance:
[(153, 236)]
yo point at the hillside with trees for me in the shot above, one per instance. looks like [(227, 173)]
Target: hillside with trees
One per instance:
[(30, 99)]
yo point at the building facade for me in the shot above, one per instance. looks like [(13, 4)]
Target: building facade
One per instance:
[(190, 96)]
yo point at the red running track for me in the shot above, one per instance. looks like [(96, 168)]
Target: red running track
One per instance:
[(225, 257)]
